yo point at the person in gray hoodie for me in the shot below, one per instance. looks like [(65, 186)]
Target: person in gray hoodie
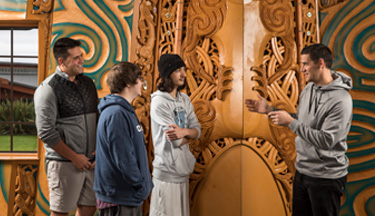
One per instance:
[(173, 123), (322, 124)]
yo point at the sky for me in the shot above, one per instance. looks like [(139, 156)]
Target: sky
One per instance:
[(25, 43)]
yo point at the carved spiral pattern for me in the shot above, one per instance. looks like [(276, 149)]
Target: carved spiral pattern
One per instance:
[(208, 57), (204, 19), (348, 30), (104, 43), (280, 87), (43, 6), (277, 16), (206, 114)]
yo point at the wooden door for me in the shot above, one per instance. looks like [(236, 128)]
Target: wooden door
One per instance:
[(233, 50)]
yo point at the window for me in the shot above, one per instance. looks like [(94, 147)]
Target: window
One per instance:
[(18, 81)]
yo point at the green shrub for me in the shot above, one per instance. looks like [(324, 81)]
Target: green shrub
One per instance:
[(23, 111)]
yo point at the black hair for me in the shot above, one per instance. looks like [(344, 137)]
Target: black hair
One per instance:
[(317, 51), (61, 46), (166, 85)]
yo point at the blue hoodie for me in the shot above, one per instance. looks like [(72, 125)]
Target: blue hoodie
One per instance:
[(121, 175)]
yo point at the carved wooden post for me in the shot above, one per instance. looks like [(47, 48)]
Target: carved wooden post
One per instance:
[(179, 26)]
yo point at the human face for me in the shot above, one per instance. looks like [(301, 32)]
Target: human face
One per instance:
[(137, 87), (311, 70), (73, 64), (178, 77)]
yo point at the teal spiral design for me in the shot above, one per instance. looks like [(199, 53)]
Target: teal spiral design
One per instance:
[(3, 176), (70, 29), (360, 136), (340, 61), (13, 5)]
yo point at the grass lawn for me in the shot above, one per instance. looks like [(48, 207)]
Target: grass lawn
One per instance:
[(20, 143)]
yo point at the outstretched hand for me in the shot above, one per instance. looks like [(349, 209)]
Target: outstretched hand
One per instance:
[(259, 106)]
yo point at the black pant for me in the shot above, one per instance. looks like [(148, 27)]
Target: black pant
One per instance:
[(317, 196)]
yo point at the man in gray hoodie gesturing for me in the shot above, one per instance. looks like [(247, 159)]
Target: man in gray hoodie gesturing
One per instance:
[(173, 123), (321, 125)]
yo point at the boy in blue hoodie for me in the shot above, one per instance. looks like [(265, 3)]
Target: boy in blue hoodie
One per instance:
[(122, 178), (321, 125), (173, 123)]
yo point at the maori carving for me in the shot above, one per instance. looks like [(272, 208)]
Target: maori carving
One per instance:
[(25, 190), (205, 18), (208, 58), (145, 60), (281, 89), (279, 169), (167, 26), (142, 106), (47, 36), (309, 23), (277, 17), (202, 91), (44, 6), (206, 114), (276, 77)]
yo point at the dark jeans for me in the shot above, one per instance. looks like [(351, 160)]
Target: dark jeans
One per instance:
[(121, 211), (317, 196)]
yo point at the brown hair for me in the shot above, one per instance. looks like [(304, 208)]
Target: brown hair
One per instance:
[(122, 74)]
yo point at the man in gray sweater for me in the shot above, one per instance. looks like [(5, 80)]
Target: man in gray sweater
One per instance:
[(66, 114), (321, 125)]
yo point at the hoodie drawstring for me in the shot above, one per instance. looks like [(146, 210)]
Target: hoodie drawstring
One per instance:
[(315, 98)]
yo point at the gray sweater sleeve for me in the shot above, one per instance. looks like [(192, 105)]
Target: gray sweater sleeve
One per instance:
[(163, 116), (192, 119), (45, 115), (333, 128)]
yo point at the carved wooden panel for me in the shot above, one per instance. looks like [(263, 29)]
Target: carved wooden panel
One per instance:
[(24, 201), (228, 60), (347, 27), (233, 50)]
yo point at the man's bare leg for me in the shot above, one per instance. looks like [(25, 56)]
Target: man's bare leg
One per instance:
[(85, 210), (58, 214)]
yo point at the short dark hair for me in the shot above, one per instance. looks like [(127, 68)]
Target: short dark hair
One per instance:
[(317, 51), (61, 46), (122, 74), (166, 85)]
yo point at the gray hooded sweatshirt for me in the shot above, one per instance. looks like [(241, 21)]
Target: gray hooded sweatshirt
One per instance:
[(322, 125), (172, 162)]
